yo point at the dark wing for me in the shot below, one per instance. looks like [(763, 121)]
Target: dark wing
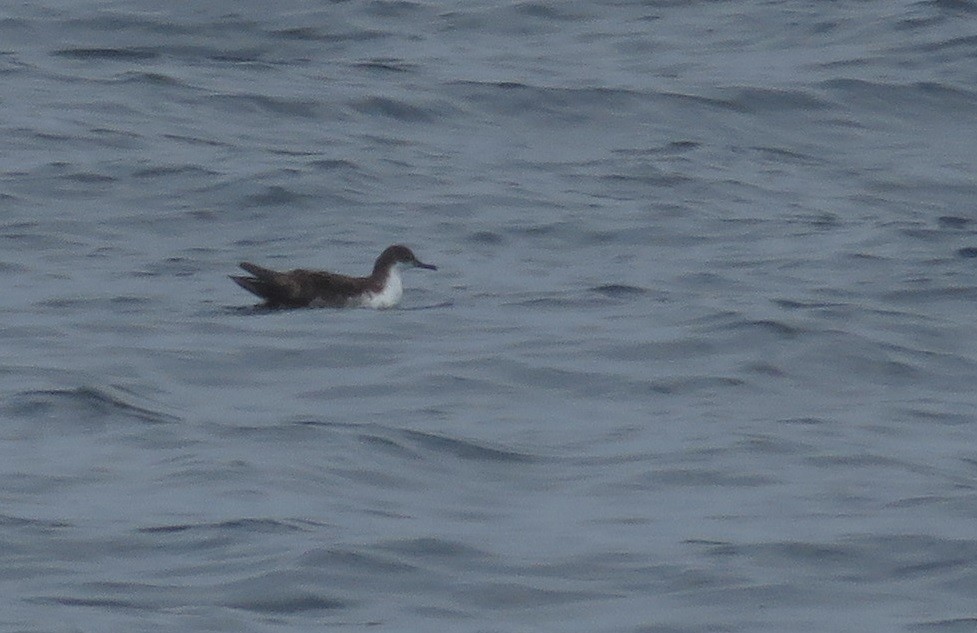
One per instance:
[(298, 288)]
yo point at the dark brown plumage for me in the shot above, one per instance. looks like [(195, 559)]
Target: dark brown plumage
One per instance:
[(301, 288)]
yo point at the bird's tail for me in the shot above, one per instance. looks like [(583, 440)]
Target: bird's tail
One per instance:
[(260, 284)]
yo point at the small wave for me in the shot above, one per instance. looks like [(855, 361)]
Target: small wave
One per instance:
[(896, 557), (170, 267), (889, 96), (120, 304), (768, 99), (127, 596), (568, 104), (355, 561), (7, 520), (512, 595), (85, 403), (430, 547), (694, 384), (297, 602), (390, 65), (773, 326), (782, 156), (299, 108), (395, 109), (120, 139), (103, 603), (952, 625), (388, 445), (953, 222), (556, 302), (172, 170), (925, 295), (486, 238), (527, 18), (264, 526), (255, 56), (672, 148), (147, 78), (684, 100), (279, 593), (301, 33), (804, 421), (196, 140), (12, 268), (115, 22), (430, 306), (792, 304), (111, 54), (257, 309), (315, 34), (327, 164), (545, 11), (274, 196), (465, 449), (394, 9), (89, 178), (931, 416), (640, 175), (619, 291)]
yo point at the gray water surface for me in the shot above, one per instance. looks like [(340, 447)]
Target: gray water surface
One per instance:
[(699, 355)]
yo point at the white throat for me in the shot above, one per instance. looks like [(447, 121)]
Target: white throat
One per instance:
[(390, 294)]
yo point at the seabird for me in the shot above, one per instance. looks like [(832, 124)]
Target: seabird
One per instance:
[(314, 288)]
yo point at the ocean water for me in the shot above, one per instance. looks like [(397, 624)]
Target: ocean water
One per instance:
[(700, 354)]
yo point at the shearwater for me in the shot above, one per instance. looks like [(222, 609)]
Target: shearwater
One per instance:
[(301, 288)]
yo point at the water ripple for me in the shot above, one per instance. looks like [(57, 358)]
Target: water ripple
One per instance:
[(83, 404), (128, 54), (465, 449)]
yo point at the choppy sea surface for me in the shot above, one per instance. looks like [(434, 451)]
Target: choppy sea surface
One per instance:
[(700, 354)]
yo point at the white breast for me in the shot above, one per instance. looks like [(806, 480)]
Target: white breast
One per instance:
[(389, 295)]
